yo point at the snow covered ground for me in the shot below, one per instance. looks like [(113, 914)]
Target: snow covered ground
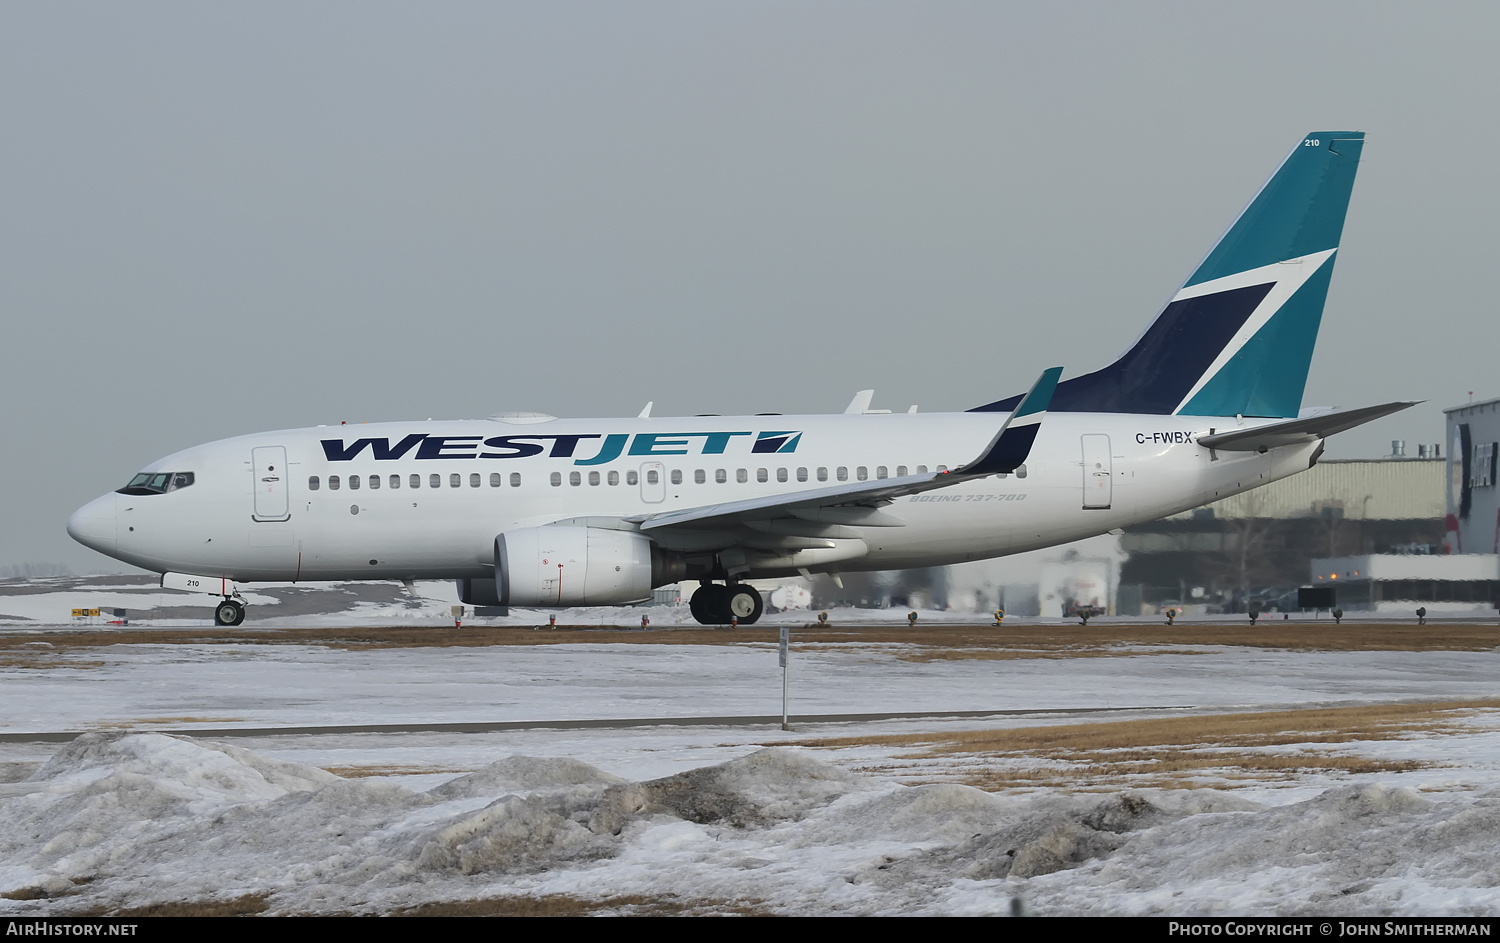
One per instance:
[(719, 818)]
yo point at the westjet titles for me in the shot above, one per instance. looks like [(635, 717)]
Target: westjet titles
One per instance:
[(431, 447)]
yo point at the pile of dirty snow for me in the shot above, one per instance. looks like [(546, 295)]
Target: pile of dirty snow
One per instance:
[(117, 821)]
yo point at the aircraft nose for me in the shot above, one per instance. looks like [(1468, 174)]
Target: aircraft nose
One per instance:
[(93, 525)]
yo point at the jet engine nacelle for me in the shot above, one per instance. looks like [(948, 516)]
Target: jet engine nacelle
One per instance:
[(574, 565)]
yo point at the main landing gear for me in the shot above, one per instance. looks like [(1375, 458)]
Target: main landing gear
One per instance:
[(229, 612), (717, 604)]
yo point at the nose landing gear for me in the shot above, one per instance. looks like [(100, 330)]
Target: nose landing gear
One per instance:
[(716, 604), (229, 612)]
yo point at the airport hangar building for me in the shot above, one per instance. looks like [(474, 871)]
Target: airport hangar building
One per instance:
[(1466, 576), (1263, 544), (1473, 508)]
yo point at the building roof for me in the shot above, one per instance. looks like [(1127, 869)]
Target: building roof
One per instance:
[(1483, 405)]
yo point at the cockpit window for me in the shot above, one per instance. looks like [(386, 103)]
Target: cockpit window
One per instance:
[(157, 482)]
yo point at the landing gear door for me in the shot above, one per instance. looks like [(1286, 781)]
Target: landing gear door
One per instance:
[(269, 463), (1098, 484)]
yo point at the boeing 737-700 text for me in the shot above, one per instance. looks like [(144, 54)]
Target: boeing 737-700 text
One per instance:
[(525, 509)]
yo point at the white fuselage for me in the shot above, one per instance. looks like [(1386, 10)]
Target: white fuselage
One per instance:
[(446, 489)]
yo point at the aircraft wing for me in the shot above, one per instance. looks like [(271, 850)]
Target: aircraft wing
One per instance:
[(1296, 431), (857, 502)]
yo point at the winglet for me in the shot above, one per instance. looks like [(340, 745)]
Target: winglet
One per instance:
[(1013, 442)]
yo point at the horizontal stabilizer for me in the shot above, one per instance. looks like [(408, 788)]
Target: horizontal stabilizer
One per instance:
[(1297, 431)]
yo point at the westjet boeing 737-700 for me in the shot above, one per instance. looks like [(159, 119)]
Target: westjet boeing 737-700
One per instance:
[(529, 510)]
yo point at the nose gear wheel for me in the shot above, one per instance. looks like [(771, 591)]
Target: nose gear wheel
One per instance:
[(229, 612)]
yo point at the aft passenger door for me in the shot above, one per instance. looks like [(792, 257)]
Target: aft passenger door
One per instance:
[(1098, 485), (269, 464)]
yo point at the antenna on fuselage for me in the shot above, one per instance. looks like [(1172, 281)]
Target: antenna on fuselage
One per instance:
[(859, 403)]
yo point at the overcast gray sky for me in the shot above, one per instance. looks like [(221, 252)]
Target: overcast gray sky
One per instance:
[(229, 218)]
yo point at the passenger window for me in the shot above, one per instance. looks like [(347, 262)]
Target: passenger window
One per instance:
[(653, 476), (741, 475), (720, 475), (921, 469), (1020, 471), (822, 473), (900, 471), (353, 482), (843, 473), (312, 483), (861, 473), (415, 481), (333, 482), (880, 472), (802, 474), (676, 476), (395, 481), (515, 479), (473, 479), (631, 478), (494, 479), (942, 468), (593, 478), (614, 478), (374, 482), (699, 477), (557, 479), (762, 475), (434, 480), (455, 480), (781, 474), (575, 478)]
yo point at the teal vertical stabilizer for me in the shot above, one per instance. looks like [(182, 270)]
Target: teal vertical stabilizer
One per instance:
[(1238, 338), (1298, 212)]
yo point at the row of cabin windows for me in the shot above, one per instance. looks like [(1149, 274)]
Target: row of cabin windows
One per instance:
[(653, 476), (455, 480), (742, 475)]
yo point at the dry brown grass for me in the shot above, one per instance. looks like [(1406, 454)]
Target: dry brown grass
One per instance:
[(247, 905), (166, 722), (923, 643), (33, 655), (547, 905), (1167, 752), (565, 905)]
